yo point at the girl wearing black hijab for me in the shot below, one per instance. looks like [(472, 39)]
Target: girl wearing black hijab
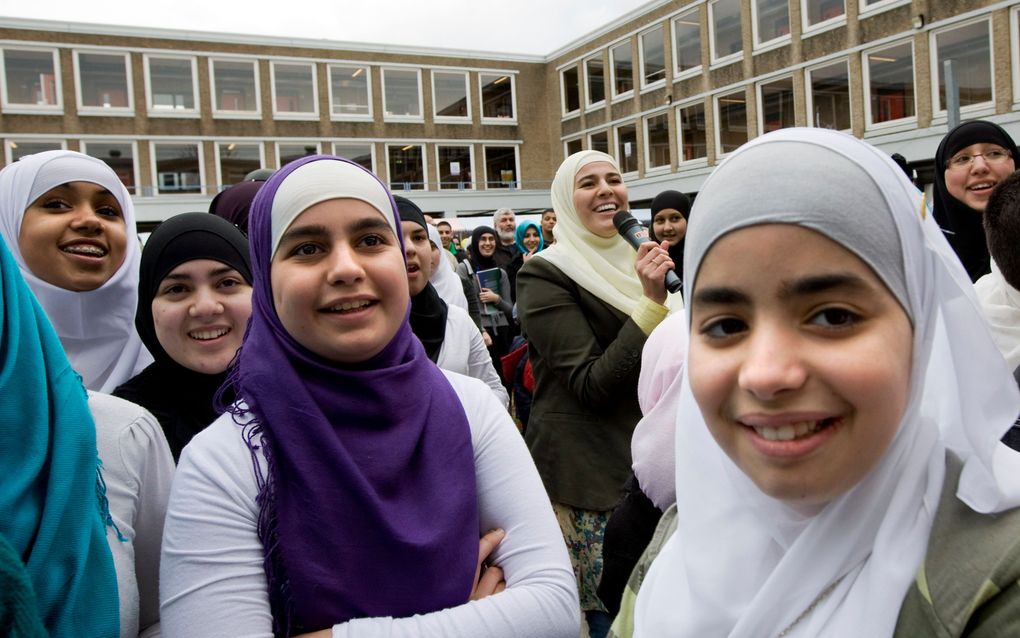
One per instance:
[(971, 160), (193, 305), (670, 212), (495, 297)]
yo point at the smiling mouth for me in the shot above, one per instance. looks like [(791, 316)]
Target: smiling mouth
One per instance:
[(793, 431), (606, 208), (85, 250), (348, 306), (981, 186), (208, 335)]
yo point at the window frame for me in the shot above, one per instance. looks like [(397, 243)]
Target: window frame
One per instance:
[(134, 158), (879, 7), (647, 147), (348, 141), (566, 145), (424, 167), (776, 42), (342, 117), (218, 113), (760, 99), (695, 70), (589, 105), (869, 124), (113, 111), (617, 152), (824, 25), (151, 109), (716, 102), (517, 183), (714, 60), (564, 113), (154, 168), (609, 140), (294, 115), (471, 166), (613, 95), (240, 142), (655, 84), (697, 161), (18, 108), (11, 142), (452, 119), (317, 143), (503, 121), (809, 97), (421, 98), (986, 107)]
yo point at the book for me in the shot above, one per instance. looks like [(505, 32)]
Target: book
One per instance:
[(491, 278)]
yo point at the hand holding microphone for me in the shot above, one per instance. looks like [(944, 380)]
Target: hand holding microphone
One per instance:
[(636, 234)]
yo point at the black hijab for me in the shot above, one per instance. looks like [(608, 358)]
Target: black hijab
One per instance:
[(968, 234), (479, 262), (180, 398), (680, 203), (428, 310)]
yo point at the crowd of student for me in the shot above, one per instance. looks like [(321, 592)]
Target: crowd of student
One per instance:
[(293, 416)]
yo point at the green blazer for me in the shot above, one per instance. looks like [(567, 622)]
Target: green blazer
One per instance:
[(586, 356)]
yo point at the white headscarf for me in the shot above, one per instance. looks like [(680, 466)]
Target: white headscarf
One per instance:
[(443, 278), (1001, 304), (604, 266), (96, 328), (744, 564)]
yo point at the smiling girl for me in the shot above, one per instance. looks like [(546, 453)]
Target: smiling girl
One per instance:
[(346, 490)]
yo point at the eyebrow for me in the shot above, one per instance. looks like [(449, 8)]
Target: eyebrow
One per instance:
[(724, 295), (216, 272), (102, 191), (319, 230)]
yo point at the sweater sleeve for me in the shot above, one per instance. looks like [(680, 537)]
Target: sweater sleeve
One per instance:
[(480, 367)]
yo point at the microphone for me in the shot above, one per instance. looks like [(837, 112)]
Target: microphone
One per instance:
[(636, 234)]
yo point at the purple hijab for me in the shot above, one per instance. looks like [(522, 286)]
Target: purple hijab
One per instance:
[(368, 507)]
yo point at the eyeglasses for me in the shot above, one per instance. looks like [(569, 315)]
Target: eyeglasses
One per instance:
[(992, 156)]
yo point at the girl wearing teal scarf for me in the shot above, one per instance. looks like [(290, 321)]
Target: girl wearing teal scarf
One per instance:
[(52, 499)]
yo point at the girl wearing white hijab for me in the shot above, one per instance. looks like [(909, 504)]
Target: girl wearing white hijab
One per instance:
[(70, 225), (443, 277), (839, 423)]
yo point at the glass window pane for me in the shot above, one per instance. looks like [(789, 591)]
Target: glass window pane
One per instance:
[(574, 146), (571, 89), (623, 68), (407, 167), (773, 19), (777, 105), (687, 30), (449, 94), (732, 121), (294, 85), (120, 156), (237, 160), (500, 167), (891, 83), (822, 10), (657, 139), (596, 80), (290, 152), (104, 82), (360, 153), (626, 148), (497, 96), (693, 136), (830, 96), (653, 54), (401, 94), (350, 90), (30, 78), (969, 47), (21, 149), (235, 86), (600, 141), (454, 167), (726, 28), (170, 84), (177, 169)]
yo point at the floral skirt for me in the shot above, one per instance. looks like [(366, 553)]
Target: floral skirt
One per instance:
[(583, 531)]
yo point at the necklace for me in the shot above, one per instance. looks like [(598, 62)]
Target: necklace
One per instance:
[(814, 603)]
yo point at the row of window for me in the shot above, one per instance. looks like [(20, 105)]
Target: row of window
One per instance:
[(31, 83), (179, 166), (969, 45)]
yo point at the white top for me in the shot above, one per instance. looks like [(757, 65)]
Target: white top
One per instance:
[(1000, 303), (213, 582), (464, 352), (138, 470)]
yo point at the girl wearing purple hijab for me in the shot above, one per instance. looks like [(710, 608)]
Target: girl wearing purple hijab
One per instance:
[(346, 490)]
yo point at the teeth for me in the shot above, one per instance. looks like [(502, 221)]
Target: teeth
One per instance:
[(349, 305), (85, 249), (789, 431), (984, 185), (605, 207), (206, 335)]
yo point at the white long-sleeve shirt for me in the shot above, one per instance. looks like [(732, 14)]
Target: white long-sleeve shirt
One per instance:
[(464, 352), (212, 579)]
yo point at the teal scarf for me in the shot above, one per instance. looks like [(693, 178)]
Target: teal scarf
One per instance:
[(52, 500)]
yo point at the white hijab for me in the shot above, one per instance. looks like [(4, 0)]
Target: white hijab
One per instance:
[(743, 564), (604, 266), (96, 328), (1001, 304), (444, 278)]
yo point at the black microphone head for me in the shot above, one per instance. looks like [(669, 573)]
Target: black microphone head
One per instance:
[(623, 219)]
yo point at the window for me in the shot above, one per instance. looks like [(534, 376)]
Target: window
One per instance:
[(16, 149), (687, 36), (455, 171), (287, 152), (498, 101), (622, 61), (820, 12), (103, 83), (171, 85), (829, 96), (402, 94), (889, 82), (235, 160), (177, 167), (119, 156), (235, 88), (350, 92), (501, 167), (362, 153), (30, 79), (775, 105), (626, 148), (970, 47), (571, 90), (653, 57), (450, 95), (771, 20), (657, 149), (594, 76), (724, 18), (731, 131), (294, 90), (572, 146), (599, 142), (693, 140), (407, 167)]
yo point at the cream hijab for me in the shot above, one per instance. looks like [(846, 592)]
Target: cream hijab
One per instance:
[(444, 278), (1001, 304), (742, 564), (604, 266), (96, 328)]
